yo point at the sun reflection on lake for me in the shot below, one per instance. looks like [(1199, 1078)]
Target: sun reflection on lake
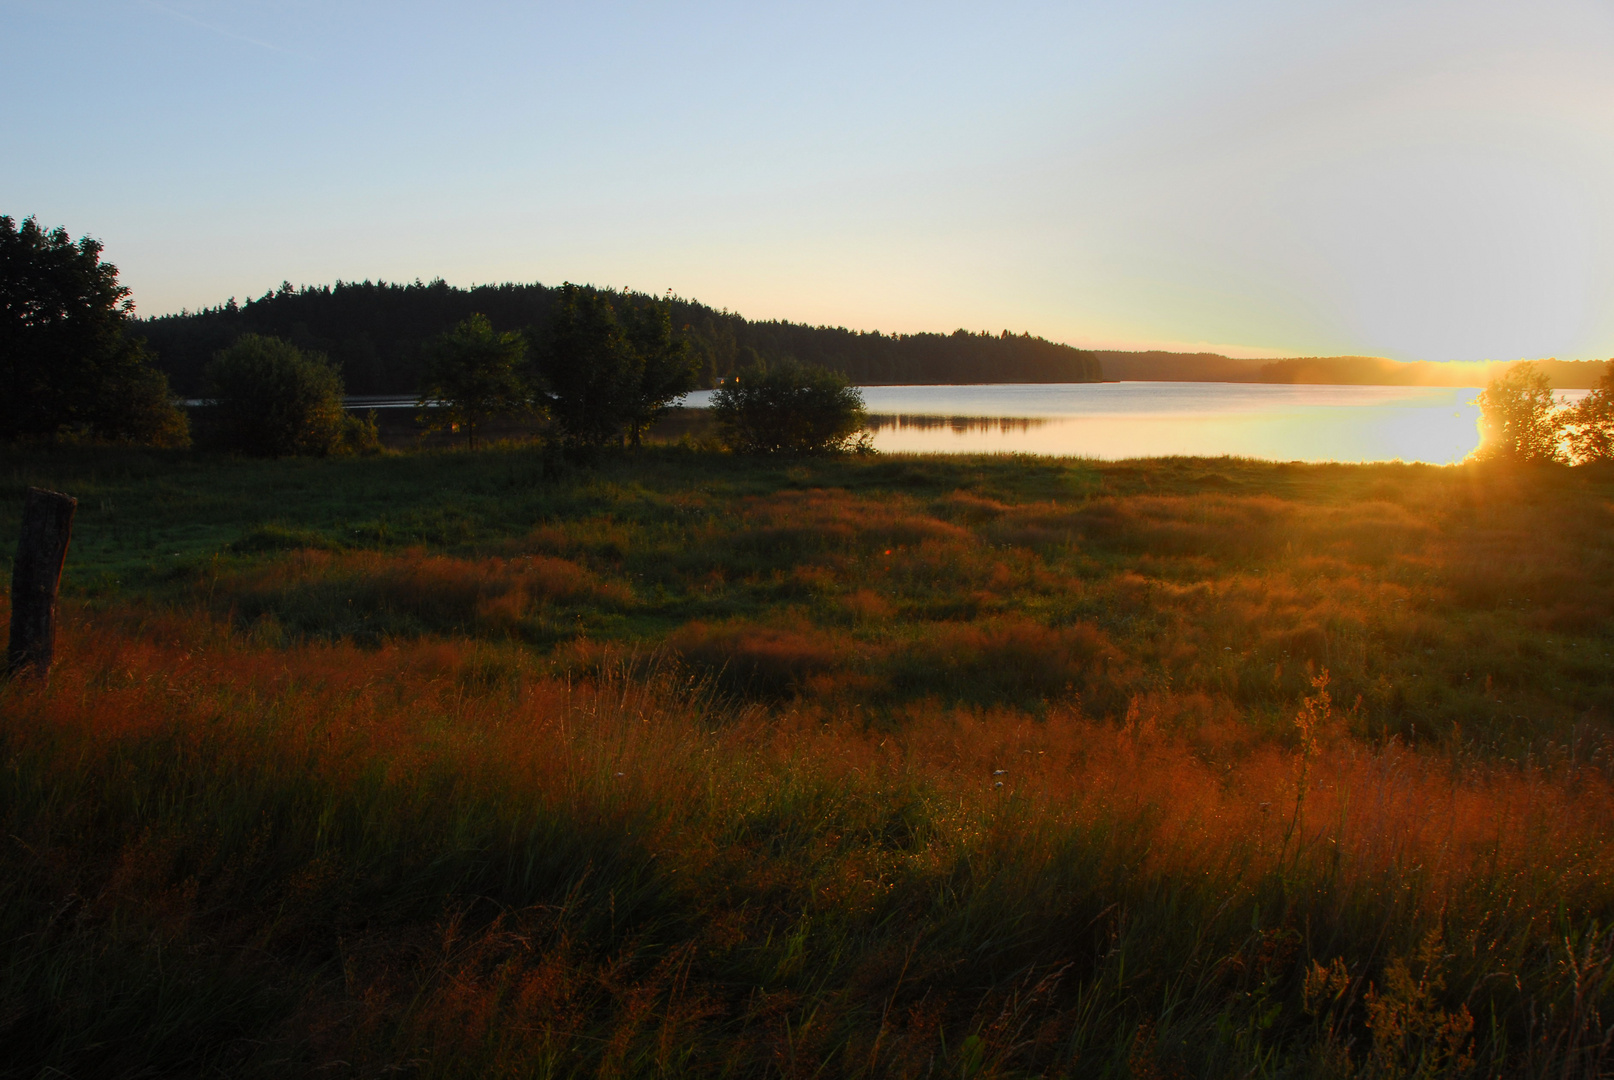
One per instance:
[(1438, 425), (1281, 422)]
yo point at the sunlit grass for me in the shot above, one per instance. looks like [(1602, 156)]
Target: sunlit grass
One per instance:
[(899, 768), (437, 852)]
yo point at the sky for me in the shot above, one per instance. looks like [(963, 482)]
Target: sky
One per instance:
[(1424, 181)]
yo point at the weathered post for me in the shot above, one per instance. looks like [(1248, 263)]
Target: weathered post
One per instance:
[(47, 523)]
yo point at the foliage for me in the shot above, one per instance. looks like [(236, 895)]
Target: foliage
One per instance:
[(1520, 419), (473, 373), (788, 408), (588, 368), (376, 332), (136, 405), (360, 434), (66, 359), (666, 365), (1591, 424), (272, 399), (1413, 1035), (607, 373)]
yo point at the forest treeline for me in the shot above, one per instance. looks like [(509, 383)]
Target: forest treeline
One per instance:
[(377, 332)]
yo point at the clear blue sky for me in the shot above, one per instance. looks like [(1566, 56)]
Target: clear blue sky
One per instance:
[(1417, 180)]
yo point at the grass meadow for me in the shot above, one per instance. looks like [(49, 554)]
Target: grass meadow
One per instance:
[(440, 764)]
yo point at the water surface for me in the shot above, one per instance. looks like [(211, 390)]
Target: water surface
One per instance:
[(1284, 422)]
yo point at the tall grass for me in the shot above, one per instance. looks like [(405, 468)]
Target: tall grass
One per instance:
[(1467, 604), (438, 857), (689, 766), (368, 597)]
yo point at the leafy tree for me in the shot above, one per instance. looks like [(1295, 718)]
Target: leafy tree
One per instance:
[(788, 408), (273, 399), (666, 368), (67, 363), (1591, 424), (473, 373), (1519, 417), (589, 369)]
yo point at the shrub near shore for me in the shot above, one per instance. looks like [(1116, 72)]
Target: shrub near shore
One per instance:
[(885, 767)]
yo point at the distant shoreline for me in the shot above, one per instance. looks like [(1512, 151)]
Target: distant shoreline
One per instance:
[(1157, 366), (1564, 374)]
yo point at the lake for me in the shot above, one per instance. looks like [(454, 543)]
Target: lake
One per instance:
[(1282, 422)]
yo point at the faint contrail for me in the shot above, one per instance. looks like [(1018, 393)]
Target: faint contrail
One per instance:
[(194, 21)]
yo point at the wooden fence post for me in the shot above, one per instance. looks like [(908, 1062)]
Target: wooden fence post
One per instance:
[(47, 523)]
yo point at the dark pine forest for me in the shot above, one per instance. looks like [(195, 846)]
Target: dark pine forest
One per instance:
[(376, 332)]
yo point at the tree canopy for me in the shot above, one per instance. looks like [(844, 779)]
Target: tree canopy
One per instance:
[(665, 367), (1519, 417), (1591, 424), (68, 363), (606, 373), (474, 373), (587, 365)]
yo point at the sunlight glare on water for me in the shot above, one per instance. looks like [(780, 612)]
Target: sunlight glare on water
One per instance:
[(1281, 422)]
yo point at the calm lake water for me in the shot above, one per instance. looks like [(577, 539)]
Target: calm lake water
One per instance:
[(1438, 425)]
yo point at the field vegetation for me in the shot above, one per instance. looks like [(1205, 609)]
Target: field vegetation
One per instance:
[(450, 763)]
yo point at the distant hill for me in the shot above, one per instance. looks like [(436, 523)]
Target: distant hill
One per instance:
[(1159, 366), (1342, 370), (375, 331)]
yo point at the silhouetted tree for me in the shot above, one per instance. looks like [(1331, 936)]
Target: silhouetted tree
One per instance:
[(665, 367), (588, 369), (1519, 417), (273, 399), (473, 373), (1591, 424), (788, 408), (67, 363)]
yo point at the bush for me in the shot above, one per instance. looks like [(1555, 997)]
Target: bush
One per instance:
[(273, 399), (135, 405), (789, 409), (360, 434)]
